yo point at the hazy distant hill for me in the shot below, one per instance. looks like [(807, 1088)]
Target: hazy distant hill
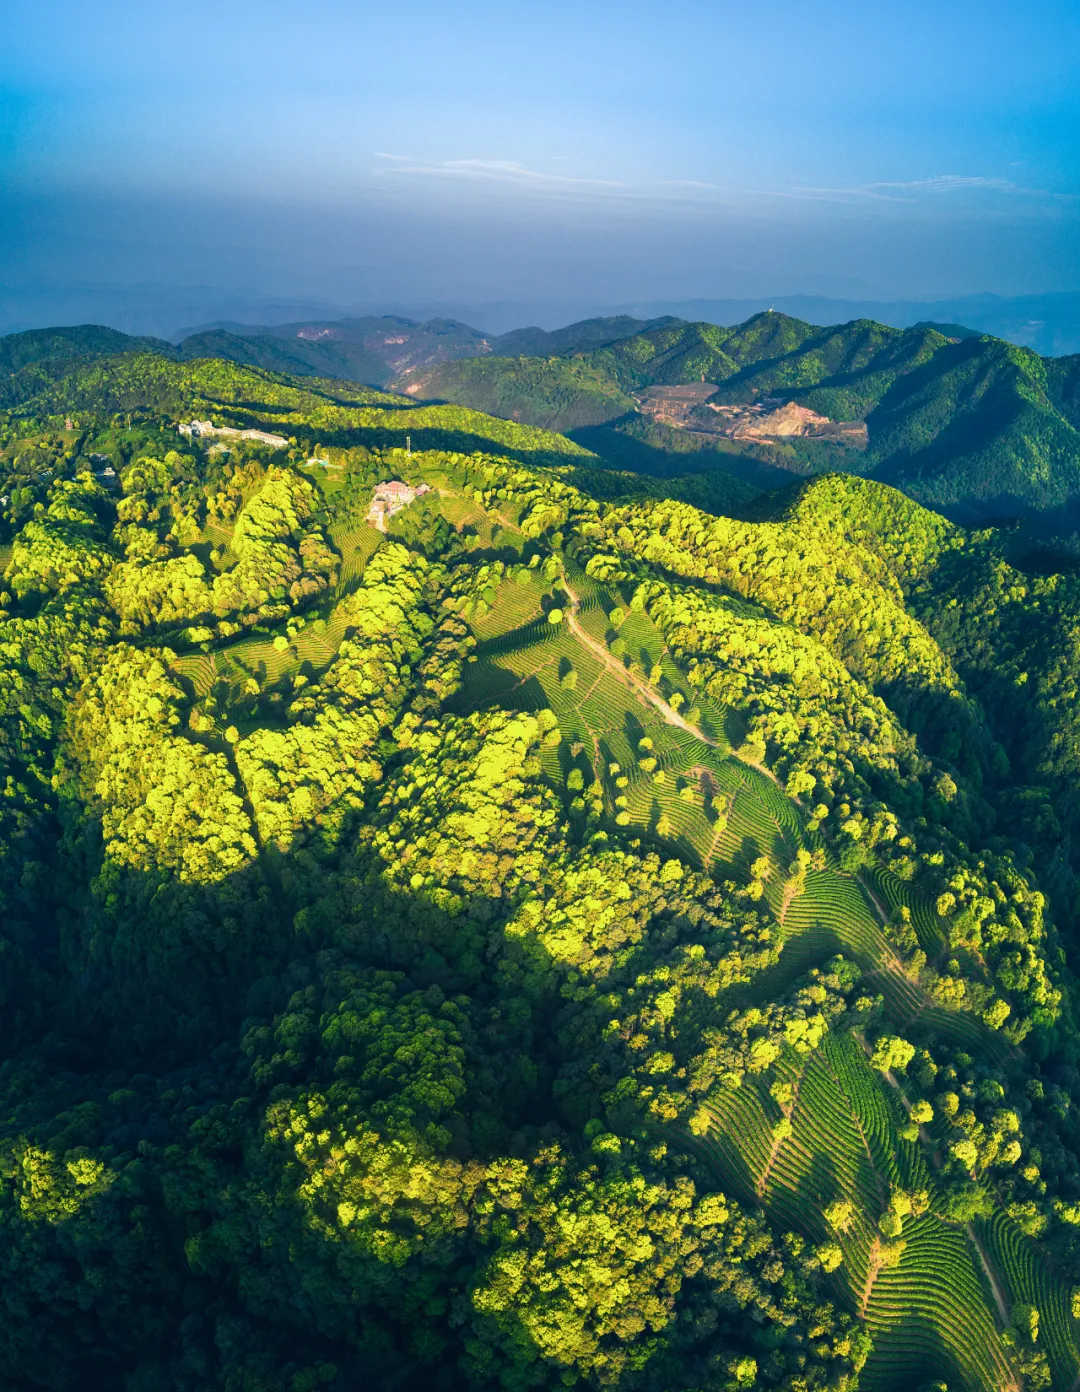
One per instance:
[(586, 335), (1050, 324), (556, 393), (966, 423), (841, 372), (949, 330), (381, 350), (323, 358), (372, 349)]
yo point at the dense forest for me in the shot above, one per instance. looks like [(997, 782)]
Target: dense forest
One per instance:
[(557, 927), (975, 426), (374, 350)]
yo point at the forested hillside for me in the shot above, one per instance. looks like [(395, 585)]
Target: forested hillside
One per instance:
[(979, 428), (537, 933), (372, 349), (583, 336), (843, 371), (974, 427), (557, 393), (31, 361)]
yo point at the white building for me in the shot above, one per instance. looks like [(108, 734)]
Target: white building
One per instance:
[(206, 428)]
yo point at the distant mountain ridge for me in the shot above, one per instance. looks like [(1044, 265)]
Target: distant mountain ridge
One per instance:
[(976, 427), (583, 336), (1049, 324), (981, 429), (374, 350), (842, 371), (370, 349), (382, 349)]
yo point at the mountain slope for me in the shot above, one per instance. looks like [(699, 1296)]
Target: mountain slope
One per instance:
[(546, 942), (585, 336), (557, 393), (85, 341), (325, 358), (979, 428), (307, 410), (842, 372), (30, 360), (525, 935), (371, 349)]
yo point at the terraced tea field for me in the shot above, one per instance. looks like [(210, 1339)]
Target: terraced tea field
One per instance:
[(311, 650), (1029, 1279), (935, 1307), (661, 763), (356, 542), (932, 1308), (932, 1311)]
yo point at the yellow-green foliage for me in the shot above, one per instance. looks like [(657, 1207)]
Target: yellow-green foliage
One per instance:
[(577, 1261), (64, 547), (280, 550), (281, 558), (821, 729), (53, 1188), (294, 777), (471, 799), (590, 1266), (363, 1157), (159, 592), (544, 502), (372, 1015), (837, 745), (838, 592), (879, 520), (314, 771), (164, 802)]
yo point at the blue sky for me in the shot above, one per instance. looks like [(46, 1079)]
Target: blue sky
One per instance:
[(591, 150)]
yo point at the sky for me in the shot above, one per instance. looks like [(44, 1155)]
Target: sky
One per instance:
[(338, 153)]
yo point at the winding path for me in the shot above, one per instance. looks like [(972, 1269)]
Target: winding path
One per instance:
[(647, 693), (612, 663), (992, 1278)]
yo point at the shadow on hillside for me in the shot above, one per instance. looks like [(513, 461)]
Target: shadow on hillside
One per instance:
[(687, 454), (906, 1339), (162, 982), (422, 438), (487, 684)]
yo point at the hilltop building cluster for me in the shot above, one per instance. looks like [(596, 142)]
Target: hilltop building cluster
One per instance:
[(391, 497), (206, 428)]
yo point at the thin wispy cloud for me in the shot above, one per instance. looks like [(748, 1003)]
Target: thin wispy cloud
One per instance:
[(697, 198), (909, 190), (499, 171), (950, 183)]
